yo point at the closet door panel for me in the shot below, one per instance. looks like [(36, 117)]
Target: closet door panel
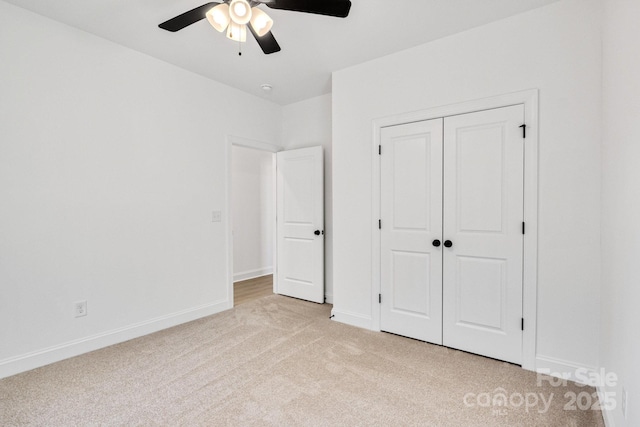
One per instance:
[(411, 210), (483, 212)]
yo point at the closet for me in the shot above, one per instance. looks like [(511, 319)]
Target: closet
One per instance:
[(452, 231)]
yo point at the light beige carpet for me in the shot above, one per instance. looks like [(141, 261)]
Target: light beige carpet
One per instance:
[(278, 361)]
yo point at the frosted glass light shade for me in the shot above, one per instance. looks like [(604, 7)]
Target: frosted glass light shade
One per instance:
[(240, 11), (219, 17), (237, 32), (260, 21)]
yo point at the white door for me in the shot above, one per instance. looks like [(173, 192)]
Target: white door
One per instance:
[(483, 213), (411, 210), (451, 231), (300, 224)]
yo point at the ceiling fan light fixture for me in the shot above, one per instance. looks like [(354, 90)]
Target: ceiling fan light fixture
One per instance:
[(219, 17), (240, 11), (237, 32), (236, 15), (260, 22)]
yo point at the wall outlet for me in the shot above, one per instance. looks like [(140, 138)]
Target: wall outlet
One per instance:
[(624, 402), (80, 308), (216, 216)]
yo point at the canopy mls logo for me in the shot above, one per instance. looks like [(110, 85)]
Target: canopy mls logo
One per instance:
[(500, 401)]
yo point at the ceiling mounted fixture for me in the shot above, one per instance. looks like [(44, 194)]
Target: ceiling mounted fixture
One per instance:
[(235, 16)]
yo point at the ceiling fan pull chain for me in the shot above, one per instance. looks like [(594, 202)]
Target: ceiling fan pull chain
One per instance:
[(239, 48)]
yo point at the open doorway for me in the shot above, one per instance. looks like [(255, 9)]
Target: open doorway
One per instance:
[(296, 247), (252, 222)]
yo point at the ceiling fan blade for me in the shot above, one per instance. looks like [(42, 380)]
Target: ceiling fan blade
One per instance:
[(187, 18), (337, 8), (267, 43)]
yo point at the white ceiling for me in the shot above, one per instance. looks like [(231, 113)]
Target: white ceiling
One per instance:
[(312, 45)]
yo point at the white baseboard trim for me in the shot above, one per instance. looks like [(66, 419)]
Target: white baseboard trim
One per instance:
[(36, 359), (607, 414), (350, 318), (564, 369), (328, 298), (252, 274)]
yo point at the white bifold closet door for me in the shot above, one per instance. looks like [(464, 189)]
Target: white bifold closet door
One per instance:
[(453, 254)]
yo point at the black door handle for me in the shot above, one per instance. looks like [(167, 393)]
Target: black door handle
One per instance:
[(436, 243), (317, 232), (448, 243)]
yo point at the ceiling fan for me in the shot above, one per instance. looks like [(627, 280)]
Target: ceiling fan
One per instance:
[(236, 16)]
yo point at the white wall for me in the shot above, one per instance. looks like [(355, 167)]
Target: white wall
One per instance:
[(555, 49), (253, 212), (621, 205), (307, 124), (111, 163)]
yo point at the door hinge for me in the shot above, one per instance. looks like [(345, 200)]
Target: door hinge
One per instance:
[(524, 130), (523, 227), (522, 323), (379, 298), (379, 224), (379, 149)]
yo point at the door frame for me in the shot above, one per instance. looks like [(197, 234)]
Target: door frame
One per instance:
[(529, 98), (238, 141)]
